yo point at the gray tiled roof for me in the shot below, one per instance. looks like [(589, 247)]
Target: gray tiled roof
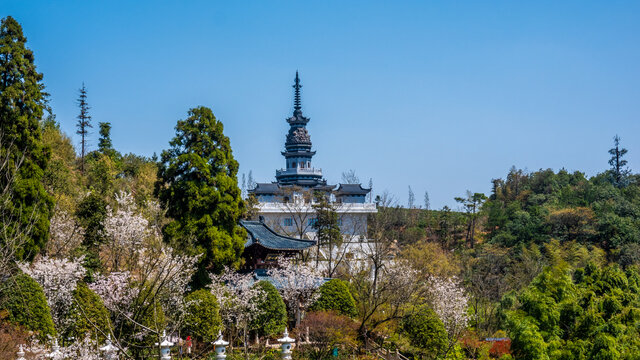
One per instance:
[(352, 189), (260, 234), (265, 188)]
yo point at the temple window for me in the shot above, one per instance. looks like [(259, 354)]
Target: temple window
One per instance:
[(288, 222)]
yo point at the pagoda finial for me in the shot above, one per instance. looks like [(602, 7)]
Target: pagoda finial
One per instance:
[(297, 86)]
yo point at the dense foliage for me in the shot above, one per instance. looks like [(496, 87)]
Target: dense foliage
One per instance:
[(590, 313), (197, 182), (88, 315), (335, 295), (26, 207), (272, 319), (426, 333), (202, 320), (26, 304)]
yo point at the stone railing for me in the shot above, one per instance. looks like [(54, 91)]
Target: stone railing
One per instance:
[(294, 171), (110, 352)]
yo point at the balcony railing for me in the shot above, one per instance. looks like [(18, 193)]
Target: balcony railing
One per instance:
[(295, 171)]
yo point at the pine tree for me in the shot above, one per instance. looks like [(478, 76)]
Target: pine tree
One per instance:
[(198, 185), (104, 143), (427, 203), (619, 172), (412, 199), (83, 124), (25, 206)]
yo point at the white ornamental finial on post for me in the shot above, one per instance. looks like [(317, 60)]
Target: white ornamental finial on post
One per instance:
[(20, 353), (286, 342), (220, 347), (55, 353), (110, 351), (165, 347)]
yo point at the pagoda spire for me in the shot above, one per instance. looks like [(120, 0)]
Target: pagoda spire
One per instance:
[(296, 102)]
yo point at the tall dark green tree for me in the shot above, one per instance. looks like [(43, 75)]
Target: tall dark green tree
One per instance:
[(327, 230), (25, 206), (83, 124), (619, 172), (198, 185), (104, 143)]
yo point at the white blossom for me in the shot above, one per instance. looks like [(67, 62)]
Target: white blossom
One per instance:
[(58, 278), (449, 302), (65, 235), (125, 230), (298, 283), (115, 291), (237, 296)]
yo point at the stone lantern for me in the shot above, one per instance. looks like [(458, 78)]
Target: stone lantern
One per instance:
[(20, 353), (110, 351), (220, 347), (55, 353), (286, 342), (165, 347)]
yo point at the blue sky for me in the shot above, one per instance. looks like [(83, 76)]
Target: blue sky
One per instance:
[(439, 96)]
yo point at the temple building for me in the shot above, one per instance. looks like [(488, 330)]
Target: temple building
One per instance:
[(286, 204)]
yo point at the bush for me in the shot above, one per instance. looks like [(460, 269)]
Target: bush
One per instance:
[(335, 295), (328, 328), (24, 299), (88, 315), (273, 318), (202, 320), (425, 332)]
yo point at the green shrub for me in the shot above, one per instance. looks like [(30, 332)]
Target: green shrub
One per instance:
[(273, 318), (202, 320), (24, 299), (88, 315), (335, 295), (425, 332)]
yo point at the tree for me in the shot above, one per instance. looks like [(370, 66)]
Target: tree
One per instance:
[(335, 295), (83, 124), (251, 184), (427, 203), (197, 183), (327, 230), (298, 283), (105, 145), (472, 204), (25, 205), (202, 320), (412, 199), (426, 333), (27, 304), (88, 315), (272, 319), (619, 172), (350, 177)]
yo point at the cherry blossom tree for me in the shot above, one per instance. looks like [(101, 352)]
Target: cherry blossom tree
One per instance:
[(238, 299), (65, 235), (450, 302), (298, 283), (125, 229)]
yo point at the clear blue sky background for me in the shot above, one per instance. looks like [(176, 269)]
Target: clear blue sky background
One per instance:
[(439, 96)]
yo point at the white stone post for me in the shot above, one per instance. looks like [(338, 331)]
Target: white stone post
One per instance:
[(55, 353), (165, 347), (220, 347), (110, 351), (20, 353), (286, 342)]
